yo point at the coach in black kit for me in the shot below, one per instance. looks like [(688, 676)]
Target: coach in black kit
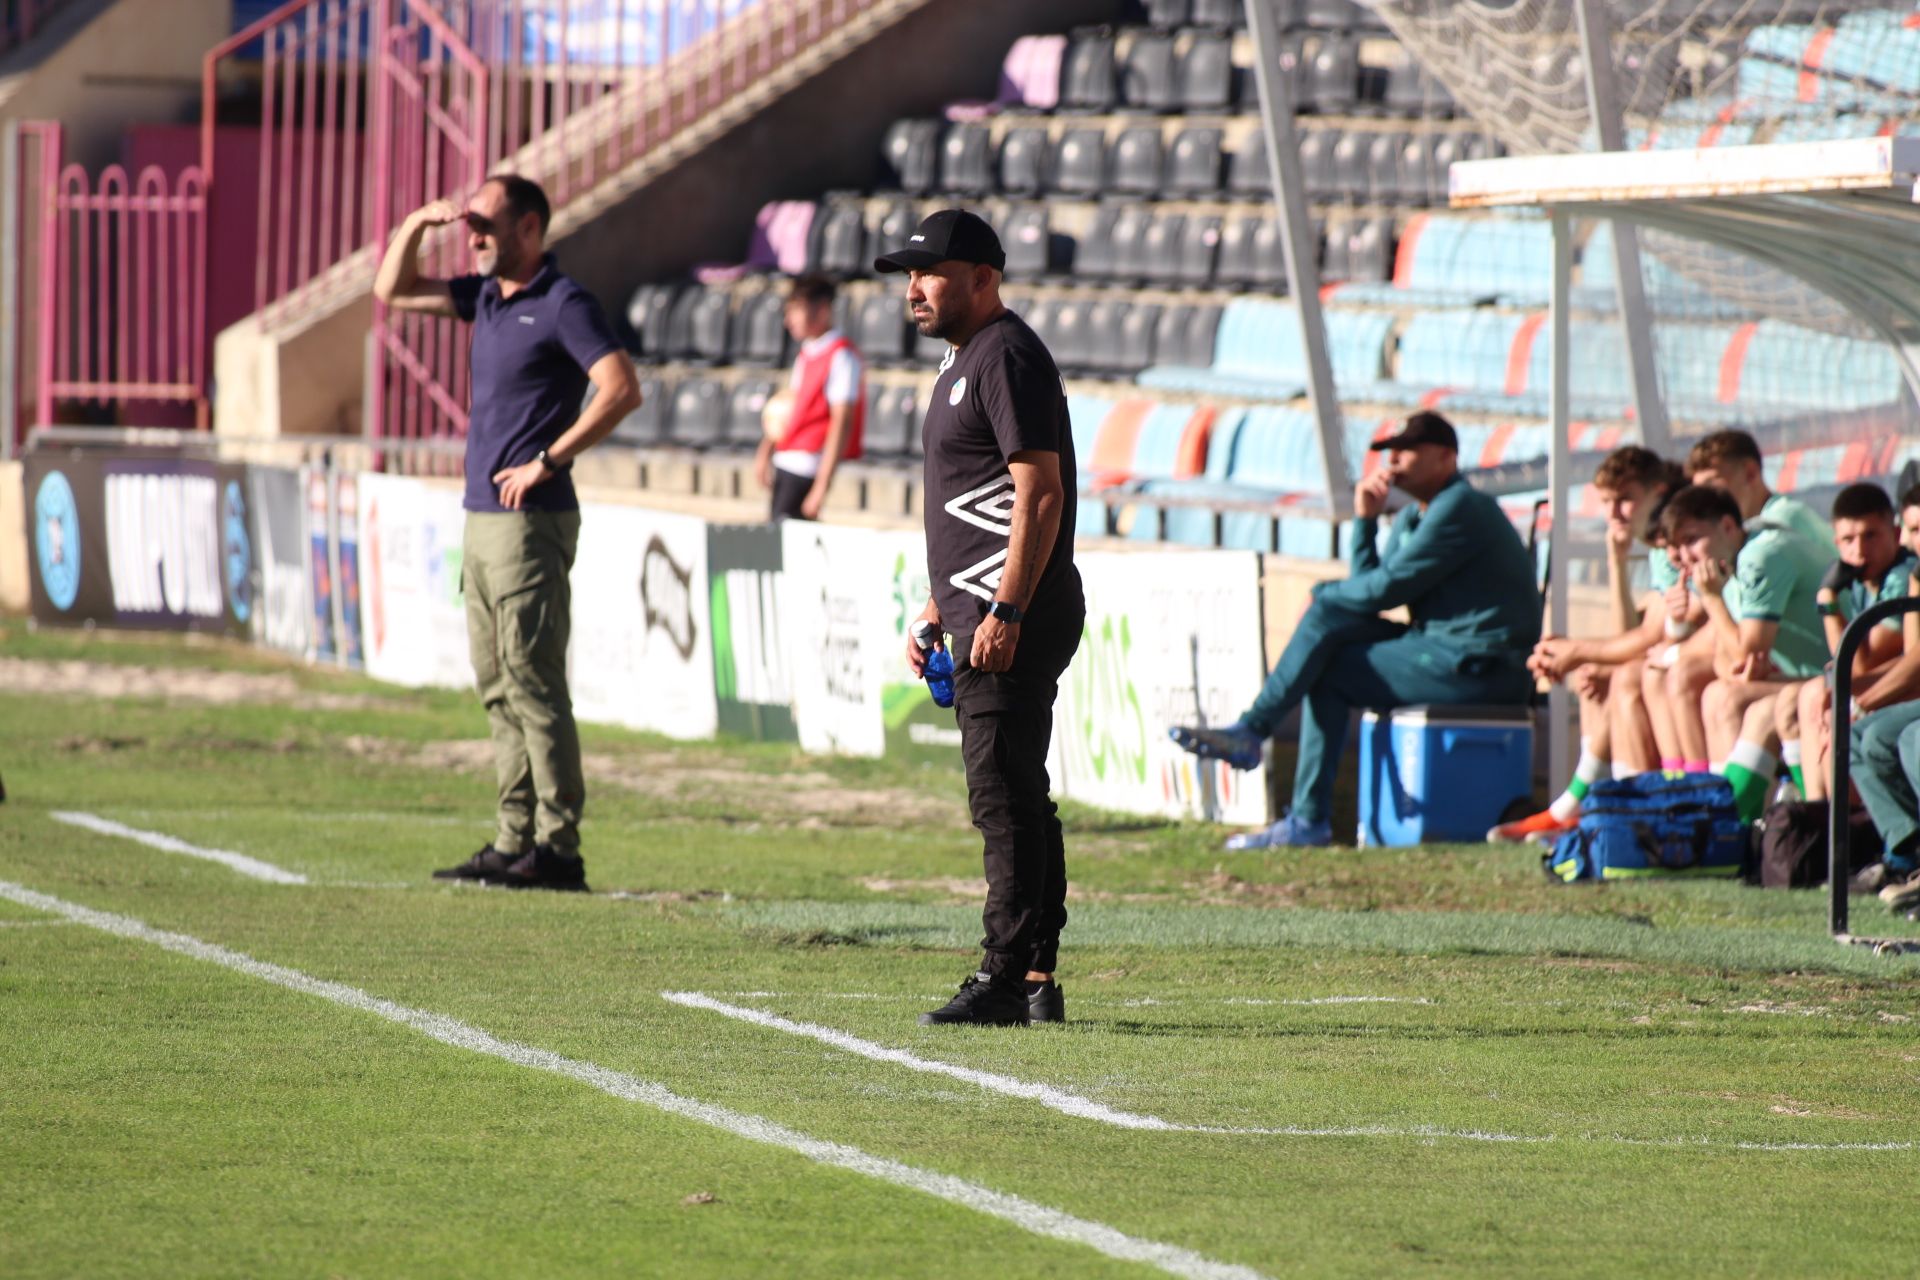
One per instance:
[(1000, 490)]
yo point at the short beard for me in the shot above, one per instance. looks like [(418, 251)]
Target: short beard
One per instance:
[(487, 265), (935, 326)]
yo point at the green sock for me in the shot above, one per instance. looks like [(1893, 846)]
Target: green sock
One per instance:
[(1750, 771), (1578, 787)]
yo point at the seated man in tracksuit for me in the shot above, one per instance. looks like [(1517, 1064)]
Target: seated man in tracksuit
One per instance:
[(1454, 560)]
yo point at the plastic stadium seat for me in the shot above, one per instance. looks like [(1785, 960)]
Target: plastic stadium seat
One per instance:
[(1218, 13), (1027, 237), (1160, 250), (880, 329), (646, 425), (1350, 166), (1413, 172), (697, 415), (1138, 331), (925, 350), (1269, 259), (840, 239), (1335, 263), (1093, 254), (1170, 334), (1167, 14), (760, 330), (911, 149), (1248, 173), (893, 415), (1134, 163), (1130, 231), (889, 232), (1070, 340), (1203, 80), (744, 405), (647, 314), (1023, 161), (1193, 164), (1317, 174), (1332, 15), (1079, 165), (1333, 76), (1195, 343), (1147, 72), (1199, 247), (1447, 147), (1104, 319), (1370, 250), (1040, 317), (1089, 80), (1233, 268), (966, 160), (1383, 167)]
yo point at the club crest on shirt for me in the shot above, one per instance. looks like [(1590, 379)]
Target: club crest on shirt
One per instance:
[(958, 392)]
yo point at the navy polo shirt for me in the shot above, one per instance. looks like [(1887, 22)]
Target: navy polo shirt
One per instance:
[(531, 353)]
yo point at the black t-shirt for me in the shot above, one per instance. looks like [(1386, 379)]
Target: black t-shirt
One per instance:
[(999, 395)]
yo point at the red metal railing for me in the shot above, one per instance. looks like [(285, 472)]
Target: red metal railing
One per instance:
[(19, 18), (120, 300)]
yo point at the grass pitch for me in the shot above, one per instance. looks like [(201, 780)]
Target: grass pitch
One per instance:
[(1472, 1071)]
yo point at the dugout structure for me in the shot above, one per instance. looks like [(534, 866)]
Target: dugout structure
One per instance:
[(1841, 217)]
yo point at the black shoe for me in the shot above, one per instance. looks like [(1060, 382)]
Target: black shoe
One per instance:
[(548, 868), (1046, 1002), (489, 866), (982, 1002)]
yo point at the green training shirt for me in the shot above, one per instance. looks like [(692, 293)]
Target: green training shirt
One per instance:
[(1776, 579)]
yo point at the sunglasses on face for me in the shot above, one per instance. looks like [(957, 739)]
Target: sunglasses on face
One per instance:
[(480, 225)]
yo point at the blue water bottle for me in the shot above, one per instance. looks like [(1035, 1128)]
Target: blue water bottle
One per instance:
[(939, 666)]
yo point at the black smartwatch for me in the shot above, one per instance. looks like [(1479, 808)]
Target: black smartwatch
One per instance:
[(1007, 611), (555, 467)]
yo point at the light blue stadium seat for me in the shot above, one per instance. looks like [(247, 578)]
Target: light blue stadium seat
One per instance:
[(1258, 352)]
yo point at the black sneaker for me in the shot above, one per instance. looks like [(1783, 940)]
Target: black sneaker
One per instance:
[(489, 866), (982, 1002), (1046, 1003), (548, 868)]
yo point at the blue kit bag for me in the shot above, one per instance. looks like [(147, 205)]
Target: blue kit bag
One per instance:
[(1653, 824)]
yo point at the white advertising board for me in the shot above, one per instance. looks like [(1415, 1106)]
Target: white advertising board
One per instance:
[(413, 614), (641, 655), (1172, 638), (833, 584)]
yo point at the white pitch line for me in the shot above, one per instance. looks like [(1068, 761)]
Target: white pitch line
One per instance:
[(1039, 1219), (167, 844), (1074, 1104)]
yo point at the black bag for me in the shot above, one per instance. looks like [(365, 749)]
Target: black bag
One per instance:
[(1793, 845)]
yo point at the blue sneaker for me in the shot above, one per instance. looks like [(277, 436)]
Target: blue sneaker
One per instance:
[(1236, 744), (1289, 832)]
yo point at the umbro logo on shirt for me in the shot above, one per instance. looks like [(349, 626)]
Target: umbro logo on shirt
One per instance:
[(982, 579), (989, 507)]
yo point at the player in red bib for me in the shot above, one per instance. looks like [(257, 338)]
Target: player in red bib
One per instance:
[(825, 407)]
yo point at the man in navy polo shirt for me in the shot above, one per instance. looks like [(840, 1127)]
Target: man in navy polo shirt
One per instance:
[(538, 340)]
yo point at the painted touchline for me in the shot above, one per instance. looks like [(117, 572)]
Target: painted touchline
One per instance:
[(1085, 1108), (239, 862), (1039, 1219)]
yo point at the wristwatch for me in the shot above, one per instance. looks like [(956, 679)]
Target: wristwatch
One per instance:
[(555, 467), (1007, 611)]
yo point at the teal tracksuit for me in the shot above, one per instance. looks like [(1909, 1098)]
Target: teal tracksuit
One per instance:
[(1468, 584)]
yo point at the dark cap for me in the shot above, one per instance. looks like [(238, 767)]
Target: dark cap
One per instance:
[(951, 235), (1424, 427)]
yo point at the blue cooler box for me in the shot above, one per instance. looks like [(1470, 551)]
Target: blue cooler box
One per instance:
[(1440, 773)]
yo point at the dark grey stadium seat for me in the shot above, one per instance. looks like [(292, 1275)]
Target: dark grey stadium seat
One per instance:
[(1370, 251), (1070, 339), (880, 329), (1203, 80), (1023, 161), (1248, 173), (744, 405), (1093, 253), (1383, 167), (698, 413), (1350, 166), (648, 314), (646, 425), (893, 415), (1089, 80), (966, 159), (760, 330), (1137, 331), (1334, 15), (1160, 250), (911, 149), (1105, 317), (1203, 326), (1416, 183), (888, 232), (1079, 166), (1446, 149), (712, 325), (1335, 262), (1147, 73), (1130, 241), (1218, 13), (1199, 246), (1135, 162), (927, 351), (1026, 235), (839, 240), (1040, 316), (1409, 91), (1193, 164), (1333, 76), (1168, 14), (1269, 261), (1233, 268)]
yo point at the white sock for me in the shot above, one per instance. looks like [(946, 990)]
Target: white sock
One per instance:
[(1621, 772), (1591, 768), (1565, 807), (1754, 758), (1719, 767), (1790, 752)]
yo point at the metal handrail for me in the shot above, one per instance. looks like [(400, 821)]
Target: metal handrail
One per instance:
[(1838, 828)]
